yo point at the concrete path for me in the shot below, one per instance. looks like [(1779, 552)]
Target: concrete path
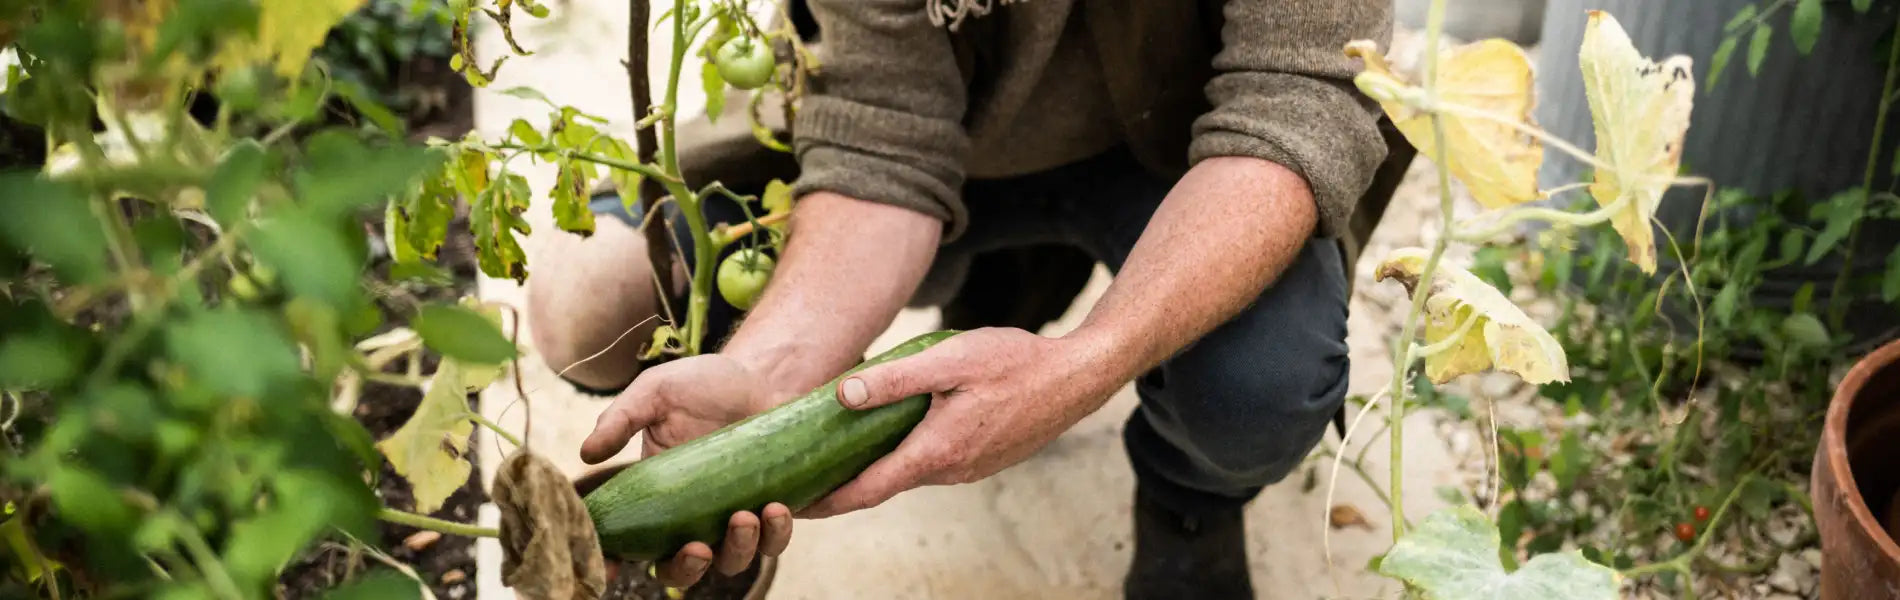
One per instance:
[(1055, 526)]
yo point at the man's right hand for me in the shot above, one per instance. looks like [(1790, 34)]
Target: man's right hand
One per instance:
[(677, 402)]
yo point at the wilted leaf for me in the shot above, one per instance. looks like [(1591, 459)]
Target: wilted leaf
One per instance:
[(1641, 111), (1453, 555), (715, 88), (569, 197), (431, 450), (777, 198), (1499, 334), (1495, 161), (1342, 516), (495, 218), (549, 548), (287, 31), (460, 333)]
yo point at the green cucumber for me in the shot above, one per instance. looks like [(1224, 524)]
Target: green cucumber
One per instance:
[(793, 454)]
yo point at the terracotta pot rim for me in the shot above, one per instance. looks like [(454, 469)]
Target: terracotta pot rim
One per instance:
[(1834, 443), (768, 566)]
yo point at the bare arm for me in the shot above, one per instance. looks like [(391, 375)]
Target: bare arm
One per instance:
[(1225, 232), (849, 267)]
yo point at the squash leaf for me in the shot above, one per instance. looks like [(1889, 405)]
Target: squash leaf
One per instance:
[(1496, 161), (287, 32), (1641, 111), (431, 450), (1453, 555), (1490, 331)]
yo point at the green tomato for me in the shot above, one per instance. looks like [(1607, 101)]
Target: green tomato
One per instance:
[(742, 277), (745, 62)]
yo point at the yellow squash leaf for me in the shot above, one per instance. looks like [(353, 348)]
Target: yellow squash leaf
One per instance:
[(1495, 161), (1498, 335), (1641, 110), (287, 32), (431, 450)]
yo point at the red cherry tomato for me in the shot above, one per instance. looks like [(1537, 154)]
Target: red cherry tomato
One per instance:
[(1701, 513), (1685, 532)]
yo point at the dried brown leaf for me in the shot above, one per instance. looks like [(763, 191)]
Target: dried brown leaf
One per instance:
[(1346, 515), (549, 548)]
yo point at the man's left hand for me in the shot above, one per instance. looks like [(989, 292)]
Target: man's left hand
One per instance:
[(998, 396)]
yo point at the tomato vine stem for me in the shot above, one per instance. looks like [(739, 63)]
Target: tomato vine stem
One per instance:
[(1837, 299)]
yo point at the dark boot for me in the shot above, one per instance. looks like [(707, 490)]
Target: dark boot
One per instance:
[(1199, 556)]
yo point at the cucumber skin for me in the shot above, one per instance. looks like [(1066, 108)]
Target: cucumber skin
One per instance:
[(793, 454)]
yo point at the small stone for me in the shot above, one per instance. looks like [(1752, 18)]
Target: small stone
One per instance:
[(421, 540), (1783, 597), (454, 576), (1813, 556), (1788, 573)]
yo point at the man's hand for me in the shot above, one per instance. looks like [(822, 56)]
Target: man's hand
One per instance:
[(677, 402), (999, 396)]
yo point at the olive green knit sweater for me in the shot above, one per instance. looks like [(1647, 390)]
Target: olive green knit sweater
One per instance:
[(904, 109)]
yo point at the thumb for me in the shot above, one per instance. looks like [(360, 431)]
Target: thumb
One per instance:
[(926, 372), (635, 410)]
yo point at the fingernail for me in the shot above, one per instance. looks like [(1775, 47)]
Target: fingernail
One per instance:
[(693, 564), (855, 393), (780, 521)]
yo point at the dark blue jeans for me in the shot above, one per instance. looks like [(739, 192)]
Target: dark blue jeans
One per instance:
[(1230, 414)]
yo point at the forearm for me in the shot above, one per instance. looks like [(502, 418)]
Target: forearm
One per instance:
[(1224, 233), (849, 266)]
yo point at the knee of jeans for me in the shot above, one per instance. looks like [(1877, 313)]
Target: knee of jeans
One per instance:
[(1250, 419)]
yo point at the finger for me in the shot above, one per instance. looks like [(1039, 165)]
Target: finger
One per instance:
[(742, 541), (777, 533), (934, 370), (900, 470), (634, 410), (686, 567)]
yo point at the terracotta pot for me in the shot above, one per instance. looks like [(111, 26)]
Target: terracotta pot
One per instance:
[(768, 567), (1856, 482)]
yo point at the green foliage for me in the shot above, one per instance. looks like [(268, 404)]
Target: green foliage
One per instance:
[(1453, 554)]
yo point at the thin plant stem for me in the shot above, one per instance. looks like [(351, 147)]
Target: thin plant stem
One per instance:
[(1402, 348), (704, 253), (438, 525), (1451, 341), (495, 427), (1536, 213), (1681, 563), (214, 574), (1838, 301)]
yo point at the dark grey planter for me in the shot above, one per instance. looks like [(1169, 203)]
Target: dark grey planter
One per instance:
[(1805, 123)]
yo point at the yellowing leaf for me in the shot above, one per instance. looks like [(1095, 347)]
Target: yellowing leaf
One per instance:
[(1497, 335), (1495, 161), (287, 32), (431, 449), (1641, 110)]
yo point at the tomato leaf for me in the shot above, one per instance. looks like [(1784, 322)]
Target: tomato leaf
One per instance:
[(1719, 62), (495, 218), (313, 258), (626, 182), (233, 352), (1862, 6), (1791, 246), (52, 222), (462, 334), (377, 585), (1758, 47), (88, 500), (1805, 26), (1805, 330), (431, 449), (1842, 211), (229, 193), (525, 133), (1454, 554), (1741, 18)]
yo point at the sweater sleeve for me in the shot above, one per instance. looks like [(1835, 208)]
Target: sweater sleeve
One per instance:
[(1283, 92), (883, 121)]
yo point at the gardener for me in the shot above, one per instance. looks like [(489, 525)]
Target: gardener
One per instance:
[(1209, 153)]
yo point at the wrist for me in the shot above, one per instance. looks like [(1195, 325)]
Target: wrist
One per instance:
[(1101, 354), (781, 369)]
